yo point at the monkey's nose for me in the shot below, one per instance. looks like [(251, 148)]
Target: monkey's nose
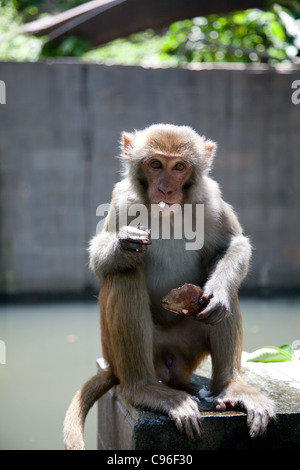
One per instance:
[(165, 191)]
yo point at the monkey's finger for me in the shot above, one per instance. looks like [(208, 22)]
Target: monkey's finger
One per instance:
[(187, 417), (212, 314), (220, 405), (264, 423), (196, 427), (134, 234), (189, 422), (139, 231), (136, 240), (209, 318), (141, 238), (194, 422), (253, 423), (257, 422), (176, 417), (189, 428), (204, 300), (145, 229), (133, 246)]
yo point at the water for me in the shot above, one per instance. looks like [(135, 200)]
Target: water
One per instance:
[(51, 350)]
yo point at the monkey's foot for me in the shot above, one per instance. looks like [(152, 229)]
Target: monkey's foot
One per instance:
[(187, 417), (259, 408)]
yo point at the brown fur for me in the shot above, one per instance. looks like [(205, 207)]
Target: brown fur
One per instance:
[(150, 351)]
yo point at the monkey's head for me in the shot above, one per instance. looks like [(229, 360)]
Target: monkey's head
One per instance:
[(166, 160)]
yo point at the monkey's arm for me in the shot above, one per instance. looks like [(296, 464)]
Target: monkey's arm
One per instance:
[(117, 251), (227, 269)]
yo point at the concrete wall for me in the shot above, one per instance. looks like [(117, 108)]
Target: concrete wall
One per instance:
[(59, 132)]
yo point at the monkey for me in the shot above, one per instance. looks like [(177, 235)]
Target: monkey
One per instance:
[(150, 351)]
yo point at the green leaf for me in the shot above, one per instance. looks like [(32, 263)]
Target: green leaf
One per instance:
[(272, 354), (277, 30), (288, 349), (240, 18)]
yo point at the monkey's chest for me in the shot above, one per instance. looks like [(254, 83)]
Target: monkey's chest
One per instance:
[(169, 265)]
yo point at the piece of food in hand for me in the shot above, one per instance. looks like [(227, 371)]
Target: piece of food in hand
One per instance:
[(186, 300)]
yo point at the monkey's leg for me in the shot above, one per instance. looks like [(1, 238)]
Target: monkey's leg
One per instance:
[(126, 306), (227, 385), (80, 405)]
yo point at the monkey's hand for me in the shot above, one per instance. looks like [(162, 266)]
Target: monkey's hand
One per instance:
[(216, 307), (111, 251), (134, 240), (205, 306)]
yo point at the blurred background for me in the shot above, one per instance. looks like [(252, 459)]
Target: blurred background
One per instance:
[(73, 76)]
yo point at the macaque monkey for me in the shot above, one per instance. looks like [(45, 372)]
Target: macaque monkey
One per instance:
[(150, 351)]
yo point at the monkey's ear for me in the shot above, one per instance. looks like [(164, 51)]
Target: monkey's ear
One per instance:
[(127, 143), (210, 151)]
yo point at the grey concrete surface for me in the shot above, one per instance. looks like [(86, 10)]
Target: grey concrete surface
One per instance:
[(59, 133)]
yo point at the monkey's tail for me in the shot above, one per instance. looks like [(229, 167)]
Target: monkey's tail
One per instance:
[(83, 400)]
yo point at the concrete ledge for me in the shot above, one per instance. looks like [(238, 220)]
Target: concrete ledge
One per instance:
[(122, 427)]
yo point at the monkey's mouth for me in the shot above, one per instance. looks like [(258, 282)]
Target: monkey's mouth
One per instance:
[(164, 206)]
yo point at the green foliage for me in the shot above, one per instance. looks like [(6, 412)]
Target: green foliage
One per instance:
[(71, 46), (29, 10), (20, 47), (141, 48), (15, 46), (243, 36)]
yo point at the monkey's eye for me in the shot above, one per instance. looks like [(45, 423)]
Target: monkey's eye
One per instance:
[(179, 166), (155, 164)]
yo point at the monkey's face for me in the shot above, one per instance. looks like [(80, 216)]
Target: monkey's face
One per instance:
[(166, 177)]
